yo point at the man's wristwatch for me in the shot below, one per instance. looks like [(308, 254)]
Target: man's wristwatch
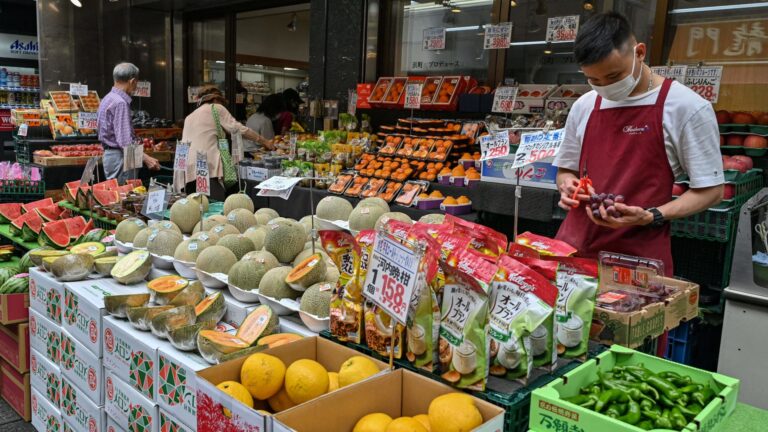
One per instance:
[(658, 218)]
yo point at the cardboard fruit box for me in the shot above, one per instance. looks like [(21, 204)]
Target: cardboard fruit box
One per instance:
[(530, 98), (14, 308), (46, 294), (15, 389), (14, 345), (177, 384), (45, 417), (79, 411), (563, 97), (548, 408), (45, 377), (82, 368), (398, 393), (211, 401)]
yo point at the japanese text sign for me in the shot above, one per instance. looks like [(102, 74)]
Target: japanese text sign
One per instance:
[(181, 156), (155, 203), (535, 146), (434, 38), (676, 73), (413, 95), (494, 145), (76, 89), (391, 276), (202, 179), (498, 36), (705, 81), (143, 89), (86, 120), (504, 99), (562, 28)]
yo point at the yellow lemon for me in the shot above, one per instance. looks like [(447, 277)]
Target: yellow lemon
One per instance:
[(424, 420), (237, 391), (405, 424), (454, 412), (305, 380), (262, 375), (356, 368), (376, 422), (280, 401), (333, 381)]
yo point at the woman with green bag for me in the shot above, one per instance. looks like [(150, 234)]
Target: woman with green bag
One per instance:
[(205, 130)]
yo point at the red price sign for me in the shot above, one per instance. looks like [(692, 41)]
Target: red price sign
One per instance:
[(562, 28), (498, 36), (434, 38), (504, 99), (705, 91), (705, 80), (413, 96), (391, 277), (565, 34), (494, 146), (202, 179)]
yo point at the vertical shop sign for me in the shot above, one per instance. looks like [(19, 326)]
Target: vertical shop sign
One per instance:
[(676, 73), (498, 36), (202, 180), (562, 28), (434, 38)]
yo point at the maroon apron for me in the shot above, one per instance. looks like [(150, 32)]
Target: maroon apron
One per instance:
[(623, 153)]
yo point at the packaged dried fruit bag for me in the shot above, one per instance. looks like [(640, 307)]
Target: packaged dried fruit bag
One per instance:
[(423, 324), (488, 243), (521, 301), (545, 245), (379, 326), (543, 341), (347, 301), (464, 343), (577, 283)]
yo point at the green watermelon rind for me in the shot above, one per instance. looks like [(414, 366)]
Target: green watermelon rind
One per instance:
[(45, 239)]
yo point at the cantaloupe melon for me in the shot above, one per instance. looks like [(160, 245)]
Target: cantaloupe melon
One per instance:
[(236, 201), (273, 284), (277, 339), (215, 259), (212, 308), (332, 274), (163, 289), (317, 300), (262, 218), (256, 234), (306, 221), (364, 217), (260, 322), (375, 201), (206, 236), (210, 222), (306, 254), (306, 273), (433, 218), (398, 216), (186, 214), (285, 239), (237, 243), (128, 228), (271, 213), (333, 208), (132, 268), (199, 199), (188, 250), (213, 345), (166, 225), (242, 219), (163, 242), (247, 273), (140, 240), (223, 229)]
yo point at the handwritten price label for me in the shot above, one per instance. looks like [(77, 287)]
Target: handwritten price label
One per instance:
[(202, 180), (87, 120), (498, 36), (705, 81), (413, 96), (391, 277), (143, 89), (434, 38), (535, 146), (562, 28), (78, 89), (88, 171), (494, 146), (181, 156), (504, 99), (133, 157)]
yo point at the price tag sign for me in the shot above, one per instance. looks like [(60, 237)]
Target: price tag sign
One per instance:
[(498, 36), (413, 96), (705, 81), (155, 203), (351, 102), (133, 157), (143, 89), (535, 146), (562, 28), (676, 73), (181, 156), (391, 277), (88, 171), (78, 89), (278, 183), (504, 99), (202, 180), (86, 120), (494, 146), (23, 129), (434, 38)]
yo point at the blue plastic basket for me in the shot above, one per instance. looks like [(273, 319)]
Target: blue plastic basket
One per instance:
[(679, 345)]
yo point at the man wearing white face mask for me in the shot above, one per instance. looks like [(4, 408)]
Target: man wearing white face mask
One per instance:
[(633, 135)]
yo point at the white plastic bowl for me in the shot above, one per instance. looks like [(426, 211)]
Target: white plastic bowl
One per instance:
[(185, 269), (209, 280), (281, 307), (162, 262), (315, 324), (123, 248), (242, 295), (324, 224)]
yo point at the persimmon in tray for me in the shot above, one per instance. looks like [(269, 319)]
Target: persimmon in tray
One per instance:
[(391, 145), (372, 188), (440, 151), (395, 91), (341, 183), (390, 191), (380, 90), (356, 187), (429, 90)]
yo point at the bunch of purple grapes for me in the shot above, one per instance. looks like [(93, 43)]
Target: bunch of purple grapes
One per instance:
[(608, 201)]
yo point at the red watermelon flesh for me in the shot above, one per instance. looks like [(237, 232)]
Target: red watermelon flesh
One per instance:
[(125, 190), (134, 182), (56, 232), (88, 227), (50, 213), (9, 212), (106, 185), (19, 221), (74, 226), (72, 184), (47, 202), (106, 197)]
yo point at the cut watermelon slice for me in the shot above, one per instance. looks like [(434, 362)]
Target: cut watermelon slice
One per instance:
[(134, 183), (50, 213), (88, 227), (125, 190), (31, 227), (26, 208), (54, 234), (72, 185), (18, 223), (9, 212), (106, 197), (106, 185), (75, 226)]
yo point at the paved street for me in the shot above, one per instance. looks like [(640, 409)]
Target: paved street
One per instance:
[(10, 421)]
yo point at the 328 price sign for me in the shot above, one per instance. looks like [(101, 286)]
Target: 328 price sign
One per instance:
[(391, 276), (705, 91)]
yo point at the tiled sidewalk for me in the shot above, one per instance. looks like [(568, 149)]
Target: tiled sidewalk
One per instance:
[(10, 421)]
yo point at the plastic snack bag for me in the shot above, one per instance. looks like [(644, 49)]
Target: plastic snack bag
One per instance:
[(424, 317), (577, 283), (485, 241), (543, 341), (545, 245), (347, 301)]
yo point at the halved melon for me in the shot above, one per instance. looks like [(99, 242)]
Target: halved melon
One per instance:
[(50, 213), (9, 212), (105, 265), (118, 305), (191, 295), (37, 255), (132, 268), (212, 308), (307, 273), (106, 197), (278, 339), (70, 194), (185, 338), (90, 248), (106, 185), (261, 322), (213, 345), (28, 207), (165, 288), (172, 319), (18, 223), (54, 234), (140, 317)]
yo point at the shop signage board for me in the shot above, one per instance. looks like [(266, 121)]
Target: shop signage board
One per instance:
[(705, 80), (202, 180), (391, 276), (413, 96), (19, 46), (143, 89), (728, 40), (434, 38), (562, 28), (536, 146), (498, 36), (504, 99), (494, 146), (351, 102), (676, 73), (77, 89)]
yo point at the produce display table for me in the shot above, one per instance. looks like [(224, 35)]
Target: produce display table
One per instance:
[(87, 214), (5, 231), (746, 418)]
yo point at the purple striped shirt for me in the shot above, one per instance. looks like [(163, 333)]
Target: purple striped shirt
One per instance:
[(114, 119)]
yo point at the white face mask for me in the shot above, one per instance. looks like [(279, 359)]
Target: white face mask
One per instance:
[(621, 89)]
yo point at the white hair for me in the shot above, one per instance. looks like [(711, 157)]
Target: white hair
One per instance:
[(125, 72)]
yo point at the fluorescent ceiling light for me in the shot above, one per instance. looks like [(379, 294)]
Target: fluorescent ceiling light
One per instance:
[(76, 3), (220, 61), (464, 28), (414, 7), (290, 69), (719, 8), (536, 43)]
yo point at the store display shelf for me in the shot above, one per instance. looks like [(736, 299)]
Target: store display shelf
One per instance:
[(5, 231), (20, 89), (22, 191), (24, 106)]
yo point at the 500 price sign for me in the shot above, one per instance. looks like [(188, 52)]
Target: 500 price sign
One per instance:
[(391, 277), (535, 146)]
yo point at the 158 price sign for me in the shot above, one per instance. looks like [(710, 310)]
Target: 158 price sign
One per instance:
[(391, 277)]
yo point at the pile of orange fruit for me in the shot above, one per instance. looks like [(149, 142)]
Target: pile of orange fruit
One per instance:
[(356, 187), (432, 169), (378, 92), (446, 91), (468, 156), (395, 91), (446, 200), (371, 189)]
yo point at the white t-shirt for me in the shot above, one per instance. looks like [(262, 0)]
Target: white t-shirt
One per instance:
[(260, 124), (691, 136)]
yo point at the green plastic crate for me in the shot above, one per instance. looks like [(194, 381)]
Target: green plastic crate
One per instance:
[(21, 191), (23, 151), (713, 225)]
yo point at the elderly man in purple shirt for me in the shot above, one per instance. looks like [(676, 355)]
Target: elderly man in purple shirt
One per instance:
[(114, 122)]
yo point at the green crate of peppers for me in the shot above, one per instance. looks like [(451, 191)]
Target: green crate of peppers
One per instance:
[(623, 389)]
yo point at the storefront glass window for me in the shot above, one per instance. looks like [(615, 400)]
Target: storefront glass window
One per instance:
[(207, 53)]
